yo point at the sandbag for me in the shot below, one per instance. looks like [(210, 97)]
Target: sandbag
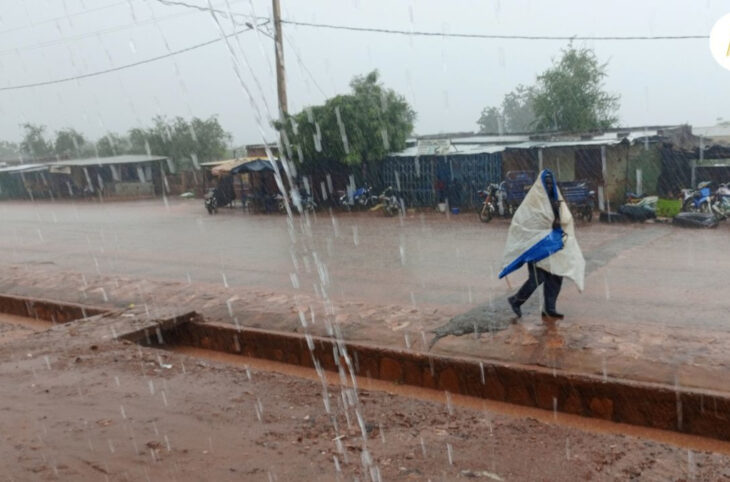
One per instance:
[(696, 220), (635, 212)]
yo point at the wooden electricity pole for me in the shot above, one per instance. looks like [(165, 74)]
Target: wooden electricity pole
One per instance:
[(280, 71)]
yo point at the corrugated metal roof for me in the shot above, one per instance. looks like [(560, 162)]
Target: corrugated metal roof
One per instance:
[(712, 131), (25, 168), (566, 143), (452, 150), (105, 161), (491, 139)]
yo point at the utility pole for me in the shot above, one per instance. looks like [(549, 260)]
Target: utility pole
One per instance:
[(280, 71)]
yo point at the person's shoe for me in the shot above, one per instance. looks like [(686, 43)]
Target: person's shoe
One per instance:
[(553, 315), (515, 306)]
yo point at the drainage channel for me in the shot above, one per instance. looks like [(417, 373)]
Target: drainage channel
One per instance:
[(689, 418), (37, 314), (585, 424), (648, 405)]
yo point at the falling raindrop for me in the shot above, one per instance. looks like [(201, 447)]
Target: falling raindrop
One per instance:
[(691, 467), (449, 406)]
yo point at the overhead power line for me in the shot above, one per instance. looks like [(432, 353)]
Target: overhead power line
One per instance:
[(64, 17), (491, 36), (95, 34), (122, 67), (334, 27), (421, 33)]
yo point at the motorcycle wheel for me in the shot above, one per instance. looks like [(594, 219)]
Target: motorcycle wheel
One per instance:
[(588, 215), (689, 206), (209, 208), (389, 211), (485, 214)]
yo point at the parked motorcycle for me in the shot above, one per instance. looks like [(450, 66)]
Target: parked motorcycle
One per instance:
[(492, 202), (697, 200), (211, 200), (362, 198), (720, 203), (390, 202), (306, 200)]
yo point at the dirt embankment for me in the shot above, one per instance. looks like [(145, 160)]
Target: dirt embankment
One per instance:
[(75, 408)]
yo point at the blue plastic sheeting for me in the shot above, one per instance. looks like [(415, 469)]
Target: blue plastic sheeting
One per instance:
[(552, 243)]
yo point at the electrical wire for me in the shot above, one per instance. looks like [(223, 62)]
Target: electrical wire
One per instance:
[(121, 67), (491, 36), (64, 17), (336, 27), (96, 33), (444, 34)]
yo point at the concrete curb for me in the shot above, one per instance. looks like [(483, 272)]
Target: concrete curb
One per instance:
[(698, 412), (47, 310)]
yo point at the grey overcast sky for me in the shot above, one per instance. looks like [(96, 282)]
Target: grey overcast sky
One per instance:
[(448, 81)]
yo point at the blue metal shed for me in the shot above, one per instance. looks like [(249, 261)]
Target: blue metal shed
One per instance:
[(425, 179)]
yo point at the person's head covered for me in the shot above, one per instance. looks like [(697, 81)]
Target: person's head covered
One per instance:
[(548, 182)]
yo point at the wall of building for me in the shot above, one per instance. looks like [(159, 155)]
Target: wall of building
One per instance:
[(648, 159), (615, 176), (518, 160), (560, 160)]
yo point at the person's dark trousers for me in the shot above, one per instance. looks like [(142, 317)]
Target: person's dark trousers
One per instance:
[(551, 287)]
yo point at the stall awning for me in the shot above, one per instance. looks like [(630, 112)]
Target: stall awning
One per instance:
[(257, 165), (243, 165)]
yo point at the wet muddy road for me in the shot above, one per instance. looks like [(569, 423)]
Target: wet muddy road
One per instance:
[(654, 271)]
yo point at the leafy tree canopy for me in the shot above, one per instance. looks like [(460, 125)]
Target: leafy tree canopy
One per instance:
[(358, 129), (569, 96), (516, 113), (34, 143), (69, 143)]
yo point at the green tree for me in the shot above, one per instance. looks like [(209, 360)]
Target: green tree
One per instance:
[(356, 129), (112, 145), (491, 121), (570, 95), (516, 114), (69, 143), (181, 140), (34, 143), (9, 150), (209, 138), (518, 109)]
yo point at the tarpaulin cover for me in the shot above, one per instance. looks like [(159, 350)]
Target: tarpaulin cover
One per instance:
[(695, 220), (531, 237), (635, 212), (257, 165)]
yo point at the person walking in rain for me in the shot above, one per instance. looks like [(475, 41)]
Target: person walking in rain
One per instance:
[(542, 236)]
